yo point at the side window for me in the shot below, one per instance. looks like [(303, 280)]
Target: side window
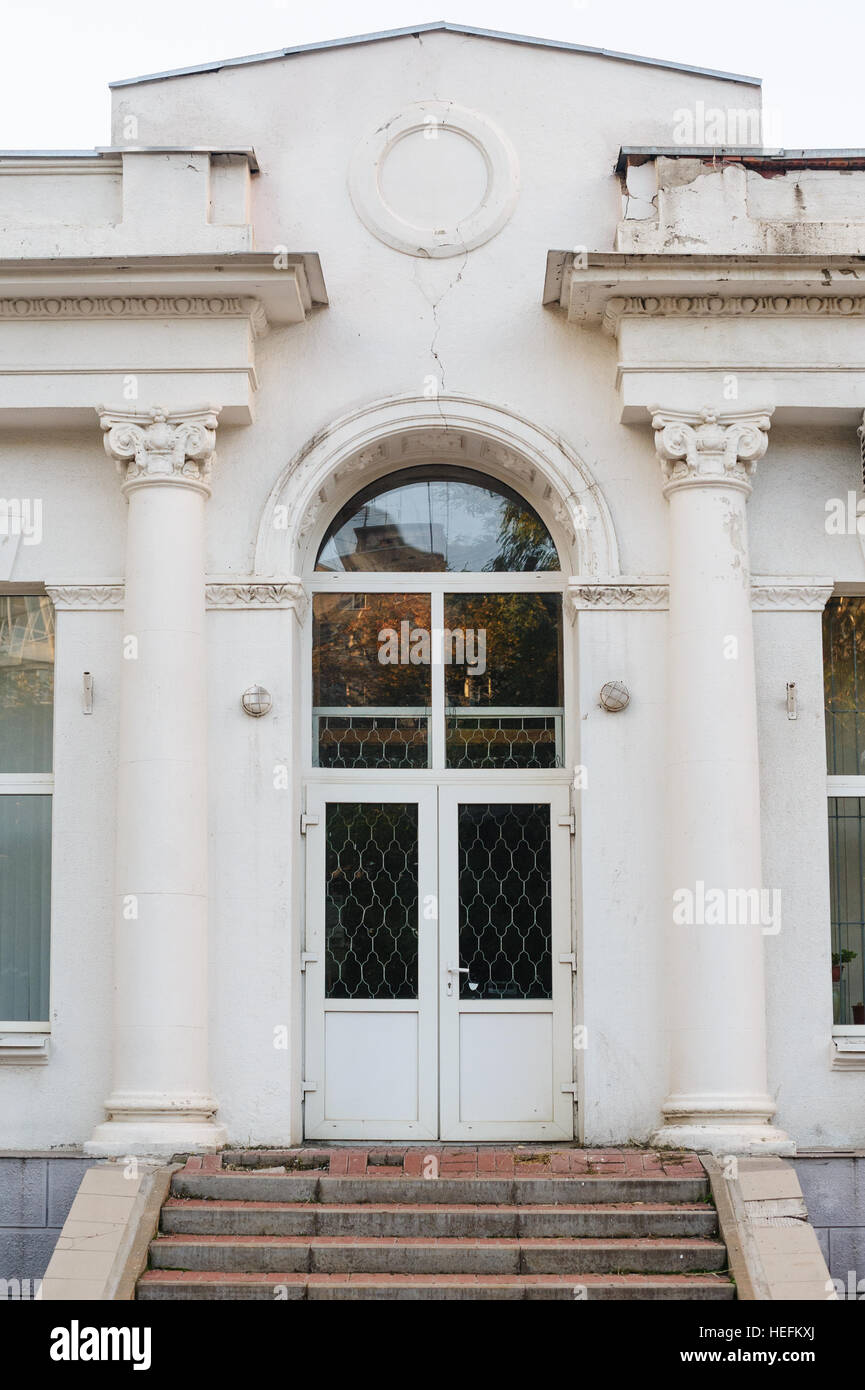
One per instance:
[(844, 680), (26, 786)]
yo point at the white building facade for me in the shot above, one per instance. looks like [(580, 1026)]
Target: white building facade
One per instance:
[(430, 583)]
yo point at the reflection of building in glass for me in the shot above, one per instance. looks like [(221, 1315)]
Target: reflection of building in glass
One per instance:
[(382, 544)]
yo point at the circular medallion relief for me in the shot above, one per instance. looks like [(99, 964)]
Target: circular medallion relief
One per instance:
[(436, 180)]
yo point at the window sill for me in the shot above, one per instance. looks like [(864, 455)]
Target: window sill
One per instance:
[(848, 1047), (24, 1049)]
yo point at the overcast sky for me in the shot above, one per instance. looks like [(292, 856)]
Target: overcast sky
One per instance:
[(60, 55)]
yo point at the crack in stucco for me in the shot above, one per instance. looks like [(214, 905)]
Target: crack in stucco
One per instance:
[(435, 305)]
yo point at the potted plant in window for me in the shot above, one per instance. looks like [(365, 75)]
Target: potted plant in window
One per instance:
[(839, 960)]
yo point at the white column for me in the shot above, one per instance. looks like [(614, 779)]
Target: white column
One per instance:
[(160, 1102), (716, 918)]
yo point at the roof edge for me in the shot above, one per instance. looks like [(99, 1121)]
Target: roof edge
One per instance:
[(436, 26), (744, 154)]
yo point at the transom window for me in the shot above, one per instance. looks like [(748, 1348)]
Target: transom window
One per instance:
[(422, 676), (434, 519)]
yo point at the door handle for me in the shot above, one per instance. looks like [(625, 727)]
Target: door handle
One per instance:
[(451, 970)]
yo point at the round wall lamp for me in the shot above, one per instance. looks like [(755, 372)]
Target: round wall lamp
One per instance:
[(615, 697), (256, 701)]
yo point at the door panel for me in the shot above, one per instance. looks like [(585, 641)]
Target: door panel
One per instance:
[(436, 1001), (371, 963), (504, 909)]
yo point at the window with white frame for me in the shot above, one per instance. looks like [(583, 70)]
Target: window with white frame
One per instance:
[(26, 787), (844, 676), (437, 629)]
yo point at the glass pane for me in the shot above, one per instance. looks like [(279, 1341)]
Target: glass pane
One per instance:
[(26, 682), (847, 880), (371, 680), (503, 680), (437, 519), (505, 902), (25, 907), (844, 680), (364, 741), (371, 901)]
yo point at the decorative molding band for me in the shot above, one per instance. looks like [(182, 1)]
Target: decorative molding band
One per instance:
[(257, 593), (732, 306), (83, 596), (157, 446), (706, 448), (120, 306), (776, 594), (790, 595), (647, 595), (235, 593)]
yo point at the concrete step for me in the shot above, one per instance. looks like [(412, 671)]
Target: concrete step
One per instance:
[(182, 1216), (175, 1285), (309, 1187), (442, 1255)]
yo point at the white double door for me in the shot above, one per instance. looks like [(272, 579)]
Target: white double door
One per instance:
[(438, 962)]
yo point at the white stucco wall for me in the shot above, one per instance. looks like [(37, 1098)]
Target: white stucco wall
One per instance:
[(475, 324)]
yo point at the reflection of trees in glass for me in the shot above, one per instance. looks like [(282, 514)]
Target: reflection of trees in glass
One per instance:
[(844, 681), (345, 666), (524, 542), (523, 640), (26, 682)]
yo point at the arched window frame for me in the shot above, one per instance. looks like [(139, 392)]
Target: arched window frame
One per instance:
[(438, 584)]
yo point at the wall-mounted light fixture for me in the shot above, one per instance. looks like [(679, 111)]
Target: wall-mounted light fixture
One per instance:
[(615, 697), (87, 693), (792, 701), (256, 701)]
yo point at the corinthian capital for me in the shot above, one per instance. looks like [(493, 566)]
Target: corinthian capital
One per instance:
[(158, 446), (707, 447)]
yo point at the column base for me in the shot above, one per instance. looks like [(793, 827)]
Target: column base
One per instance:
[(721, 1139), (115, 1139), (146, 1124), (730, 1124)]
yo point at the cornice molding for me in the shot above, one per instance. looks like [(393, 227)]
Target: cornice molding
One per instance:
[(730, 306), (706, 448), (163, 447)]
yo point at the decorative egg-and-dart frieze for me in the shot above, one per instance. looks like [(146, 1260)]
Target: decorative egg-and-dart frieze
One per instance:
[(728, 306), (117, 306)]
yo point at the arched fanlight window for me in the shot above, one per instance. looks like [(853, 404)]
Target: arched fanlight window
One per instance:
[(438, 518)]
